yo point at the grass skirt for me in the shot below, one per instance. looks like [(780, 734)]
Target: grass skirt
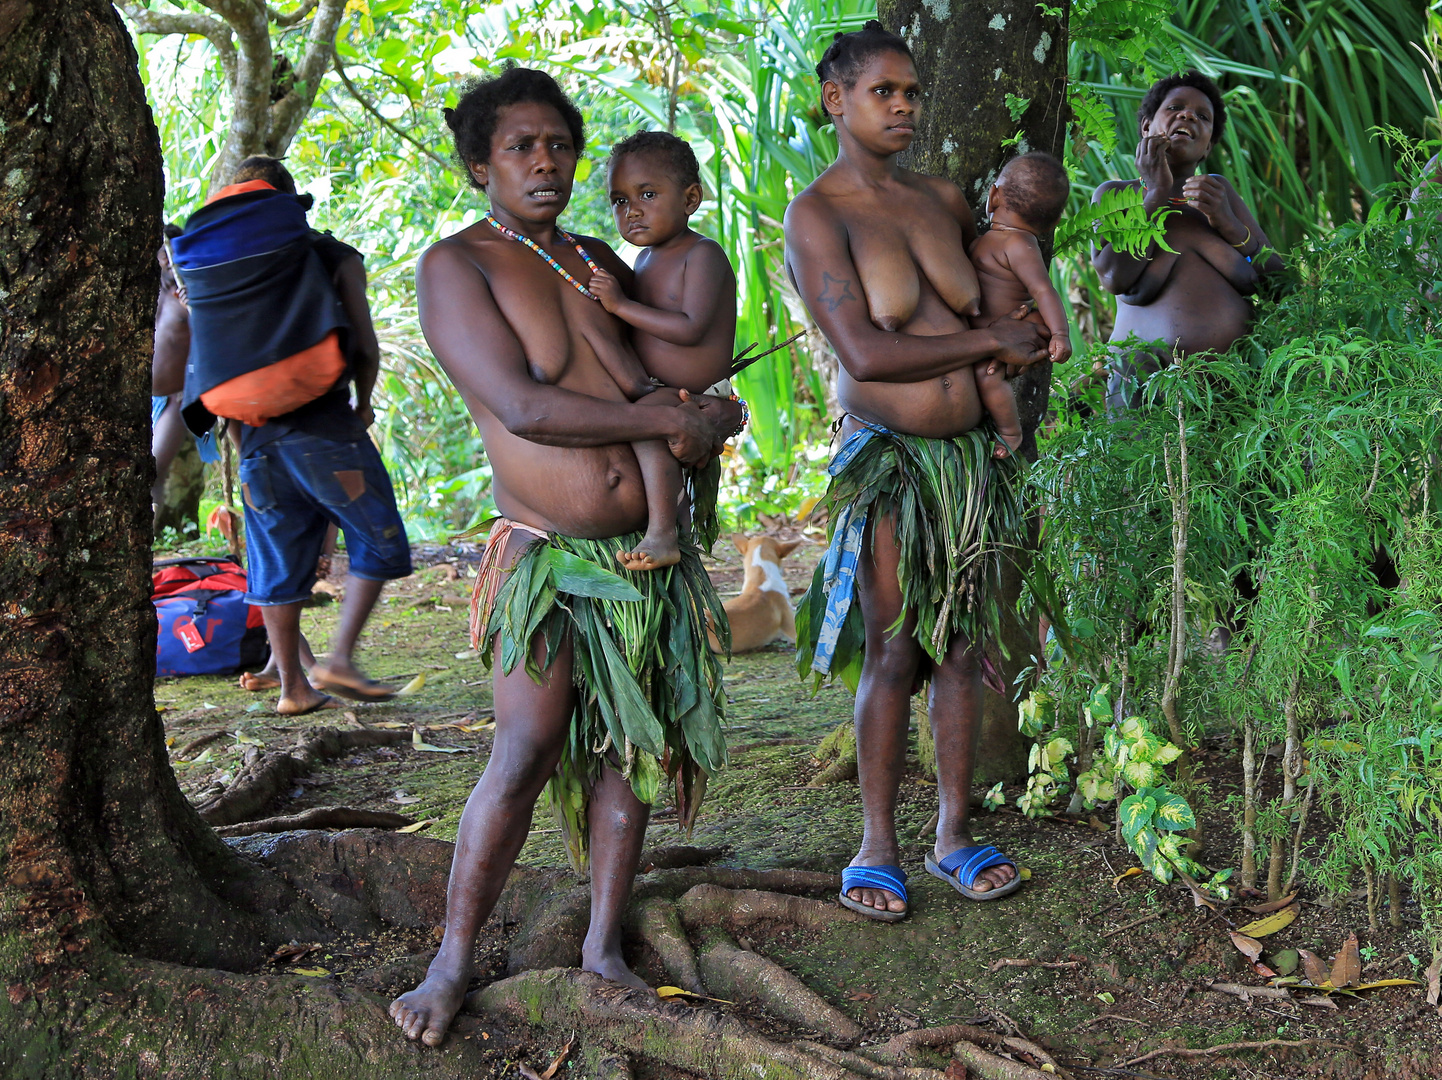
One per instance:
[(956, 511), (649, 689)]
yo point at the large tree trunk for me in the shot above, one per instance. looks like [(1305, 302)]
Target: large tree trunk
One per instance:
[(970, 56), (97, 844)]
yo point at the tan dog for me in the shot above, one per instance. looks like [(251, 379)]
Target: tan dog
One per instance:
[(762, 612)]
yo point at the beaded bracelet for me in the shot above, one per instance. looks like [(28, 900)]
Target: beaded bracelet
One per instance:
[(745, 416)]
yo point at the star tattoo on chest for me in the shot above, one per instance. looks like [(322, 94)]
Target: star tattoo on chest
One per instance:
[(836, 291)]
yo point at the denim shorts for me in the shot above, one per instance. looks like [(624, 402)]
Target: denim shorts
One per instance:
[(296, 485)]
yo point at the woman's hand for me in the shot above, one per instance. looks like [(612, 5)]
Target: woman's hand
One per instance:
[(1209, 195), (1154, 169)]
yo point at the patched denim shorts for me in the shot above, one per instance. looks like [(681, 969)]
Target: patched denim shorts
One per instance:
[(296, 485)]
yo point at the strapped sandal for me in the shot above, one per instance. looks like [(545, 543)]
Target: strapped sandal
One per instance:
[(963, 866), (890, 878)]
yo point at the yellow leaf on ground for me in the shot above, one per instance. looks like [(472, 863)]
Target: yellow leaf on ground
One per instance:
[(1278, 920), (1387, 982), (1132, 872), (664, 992), (391, 724), (418, 826), (314, 973), (417, 743), (485, 725), (1024, 872), (414, 686)]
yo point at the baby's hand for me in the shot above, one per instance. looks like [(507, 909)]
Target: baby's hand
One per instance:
[(607, 289), (1060, 348)]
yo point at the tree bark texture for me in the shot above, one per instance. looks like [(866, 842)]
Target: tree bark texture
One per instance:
[(970, 55), (97, 844)]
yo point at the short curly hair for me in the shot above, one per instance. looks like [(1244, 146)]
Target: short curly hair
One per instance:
[(473, 120), (1197, 81), (1037, 187), (269, 169), (848, 54), (674, 154)]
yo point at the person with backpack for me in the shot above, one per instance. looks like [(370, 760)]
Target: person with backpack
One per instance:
[(280, 329)]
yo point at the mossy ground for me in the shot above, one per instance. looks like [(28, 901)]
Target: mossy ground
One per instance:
[(1133, 987)]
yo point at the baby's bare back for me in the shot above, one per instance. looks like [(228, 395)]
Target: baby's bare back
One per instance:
[(1002, 292)]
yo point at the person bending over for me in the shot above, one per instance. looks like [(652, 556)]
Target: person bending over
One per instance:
[(683, 318), (1025, 203), (871, 245), (581, 701), (1193, 298)]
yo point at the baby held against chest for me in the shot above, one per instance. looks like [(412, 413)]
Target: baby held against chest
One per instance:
[(1025, 202), (683, 313)]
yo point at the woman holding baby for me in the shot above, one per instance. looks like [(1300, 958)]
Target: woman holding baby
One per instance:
[(878, 254), (1193, 298)]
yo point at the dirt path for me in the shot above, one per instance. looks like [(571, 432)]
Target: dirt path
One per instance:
[(1098, 973)]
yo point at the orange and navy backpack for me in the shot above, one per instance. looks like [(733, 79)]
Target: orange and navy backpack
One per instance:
[(206, 627)]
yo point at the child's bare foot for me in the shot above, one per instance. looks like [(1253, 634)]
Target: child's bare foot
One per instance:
[(652, 553), (258, 682), (427, 1011), (302, 702), (348, 681), (1007, 443), (610, 965)]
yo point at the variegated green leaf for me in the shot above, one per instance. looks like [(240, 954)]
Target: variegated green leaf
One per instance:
[(1139, 773), (1166, 754), (1174, 814), (1057, 749), (1136, 814)]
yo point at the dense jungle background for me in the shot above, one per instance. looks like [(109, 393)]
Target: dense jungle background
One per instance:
[(1222, 763)]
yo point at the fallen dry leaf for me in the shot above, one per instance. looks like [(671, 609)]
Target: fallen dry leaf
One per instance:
[(1318, 1001), (664, 992), (1347, 968), (1131, 872), (414, 686), (861, 995), (1275, 905), (1271, 924), (1434, 978), (418, 826), (1263, 970), (314, 973), (1313, 967), (1249, 947)]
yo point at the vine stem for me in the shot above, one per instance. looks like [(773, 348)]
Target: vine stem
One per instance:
[(1178, 485)]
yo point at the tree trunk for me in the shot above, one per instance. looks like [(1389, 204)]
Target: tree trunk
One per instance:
[(971, 56), (179, 508), (97, 845)]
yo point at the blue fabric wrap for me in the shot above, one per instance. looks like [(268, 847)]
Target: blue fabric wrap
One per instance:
[(842, 555), (890, 878), (257, 292), (972, 861)]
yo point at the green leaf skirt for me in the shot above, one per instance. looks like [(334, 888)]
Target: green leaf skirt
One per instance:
[(957, 513), (649, 693)]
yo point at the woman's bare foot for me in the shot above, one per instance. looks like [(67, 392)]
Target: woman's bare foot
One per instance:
[(427, 1011), (309, 701), (652, 553), (610, 965), (1007, 443), (345, 679)]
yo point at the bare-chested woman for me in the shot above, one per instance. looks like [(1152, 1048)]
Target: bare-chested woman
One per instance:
[(878, 254), (521, 343), (1195, 298)]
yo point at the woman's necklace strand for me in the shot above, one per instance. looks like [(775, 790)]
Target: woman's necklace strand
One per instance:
[(564, 237)]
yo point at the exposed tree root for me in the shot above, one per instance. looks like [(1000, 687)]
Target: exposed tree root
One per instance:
[(1230, 1048), (656, 922), (840, 745), (738, 975), (711, 905), (978, 1060), (320, 817), (672, 883), (669, 1033), (863, 1065), (274, 772), (361, 880)]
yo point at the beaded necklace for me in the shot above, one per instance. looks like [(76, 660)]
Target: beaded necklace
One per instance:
[(1175, 200), (564, 237)]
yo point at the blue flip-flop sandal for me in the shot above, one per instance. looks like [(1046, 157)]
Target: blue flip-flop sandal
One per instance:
[(890, 878), (963, 866)]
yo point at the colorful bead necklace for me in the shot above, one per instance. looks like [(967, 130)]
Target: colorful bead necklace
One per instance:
[(564, 237)]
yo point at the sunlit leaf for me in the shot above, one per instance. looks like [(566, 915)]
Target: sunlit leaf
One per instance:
[(1278, 920)]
